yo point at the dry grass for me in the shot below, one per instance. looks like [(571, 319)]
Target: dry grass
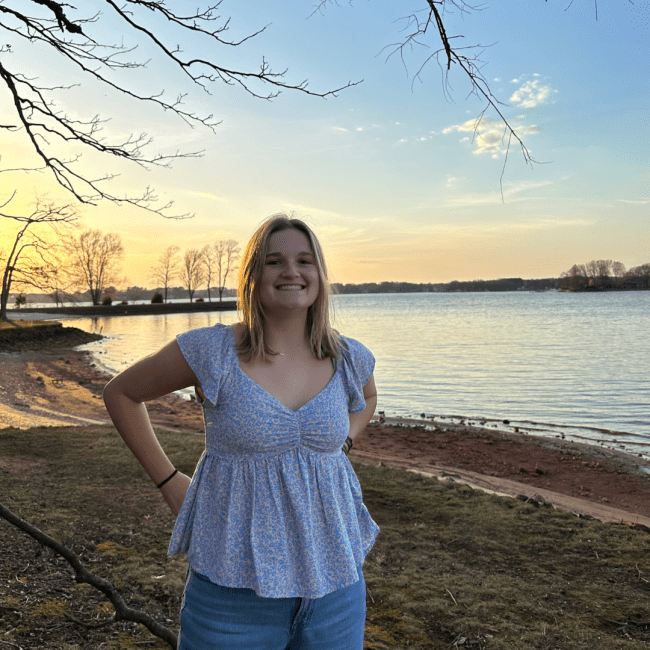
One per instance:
[(452, 567), (19, 323)]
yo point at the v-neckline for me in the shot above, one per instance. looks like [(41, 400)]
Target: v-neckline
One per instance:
[(266, 392)]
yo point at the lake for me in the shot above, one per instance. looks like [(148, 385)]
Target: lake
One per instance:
[(550, 363)]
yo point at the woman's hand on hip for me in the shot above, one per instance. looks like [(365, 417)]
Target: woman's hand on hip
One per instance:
[(174, 492)]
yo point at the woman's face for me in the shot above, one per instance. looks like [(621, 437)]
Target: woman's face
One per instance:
[(290, 278)]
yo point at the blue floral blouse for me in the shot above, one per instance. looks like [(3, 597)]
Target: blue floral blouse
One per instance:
[(274, 504)]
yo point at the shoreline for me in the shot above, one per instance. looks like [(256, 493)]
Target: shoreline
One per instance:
[(60, 387), (118, 309), (577, 434)]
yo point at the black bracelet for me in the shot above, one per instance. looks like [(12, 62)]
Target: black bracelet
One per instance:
[(169, 478), (348, 444)]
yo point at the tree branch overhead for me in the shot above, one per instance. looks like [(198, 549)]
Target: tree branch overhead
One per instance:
[(80, 39)]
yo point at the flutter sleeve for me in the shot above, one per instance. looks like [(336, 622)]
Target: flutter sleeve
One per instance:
[(358, 366), (206, 351)]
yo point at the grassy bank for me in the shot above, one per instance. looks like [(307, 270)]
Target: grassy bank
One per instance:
[(452, 567), (19, 335)]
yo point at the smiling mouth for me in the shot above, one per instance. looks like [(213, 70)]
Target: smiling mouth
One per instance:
[(290, 287)]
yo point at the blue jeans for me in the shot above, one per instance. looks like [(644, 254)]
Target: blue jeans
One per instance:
[(226, 618)]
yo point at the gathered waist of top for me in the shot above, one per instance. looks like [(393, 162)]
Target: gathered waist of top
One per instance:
[(271, 454)]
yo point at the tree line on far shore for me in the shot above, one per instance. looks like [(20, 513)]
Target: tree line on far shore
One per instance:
[(504, 284), (605, 275)]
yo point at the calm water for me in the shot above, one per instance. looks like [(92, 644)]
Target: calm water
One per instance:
[(550, 363)]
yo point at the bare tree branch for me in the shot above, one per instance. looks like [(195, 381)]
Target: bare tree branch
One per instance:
[(432, 20), (69, 34), (122, 610)]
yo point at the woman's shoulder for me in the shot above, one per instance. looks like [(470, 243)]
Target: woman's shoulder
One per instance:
[(213, 337), (352, 344), (355, 350)]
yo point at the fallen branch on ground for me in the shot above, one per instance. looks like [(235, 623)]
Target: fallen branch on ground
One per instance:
[(122, 610)]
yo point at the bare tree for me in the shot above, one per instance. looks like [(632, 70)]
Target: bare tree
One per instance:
[(95, 261), (83, 43), (31, 258), (167, 268), (575, 278), (192, 271), (618, 272), (227, 254), (599, 272), (209, 260)]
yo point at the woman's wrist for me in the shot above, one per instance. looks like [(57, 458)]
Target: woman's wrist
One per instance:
[(347, 445), (169, 478)]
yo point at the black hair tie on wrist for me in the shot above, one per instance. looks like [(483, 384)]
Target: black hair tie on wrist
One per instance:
[(169, 478)]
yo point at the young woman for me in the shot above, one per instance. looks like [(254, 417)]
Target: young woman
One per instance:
[(273, 521)]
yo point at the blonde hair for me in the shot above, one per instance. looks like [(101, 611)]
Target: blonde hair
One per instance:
[(323, 339)]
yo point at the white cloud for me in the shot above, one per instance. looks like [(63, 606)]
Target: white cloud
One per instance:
[(489, 136), (339, 128), (531, 94), (643, 201)]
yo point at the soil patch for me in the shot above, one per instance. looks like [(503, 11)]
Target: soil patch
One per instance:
[(597, 474)]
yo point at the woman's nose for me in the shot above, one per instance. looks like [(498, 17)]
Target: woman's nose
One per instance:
[(291, 269)]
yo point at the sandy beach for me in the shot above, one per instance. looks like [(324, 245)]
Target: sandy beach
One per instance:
[(55, 386)]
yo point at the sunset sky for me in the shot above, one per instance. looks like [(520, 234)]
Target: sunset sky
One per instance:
[(389, 173)]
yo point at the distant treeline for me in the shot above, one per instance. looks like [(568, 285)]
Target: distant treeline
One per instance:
[(504, 284), (605, 275), (131, 294)]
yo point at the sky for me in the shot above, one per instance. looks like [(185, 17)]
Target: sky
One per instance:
[(390, 173)]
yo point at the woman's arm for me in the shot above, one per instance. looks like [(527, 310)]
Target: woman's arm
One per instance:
[(359, 421), (124, 396)]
